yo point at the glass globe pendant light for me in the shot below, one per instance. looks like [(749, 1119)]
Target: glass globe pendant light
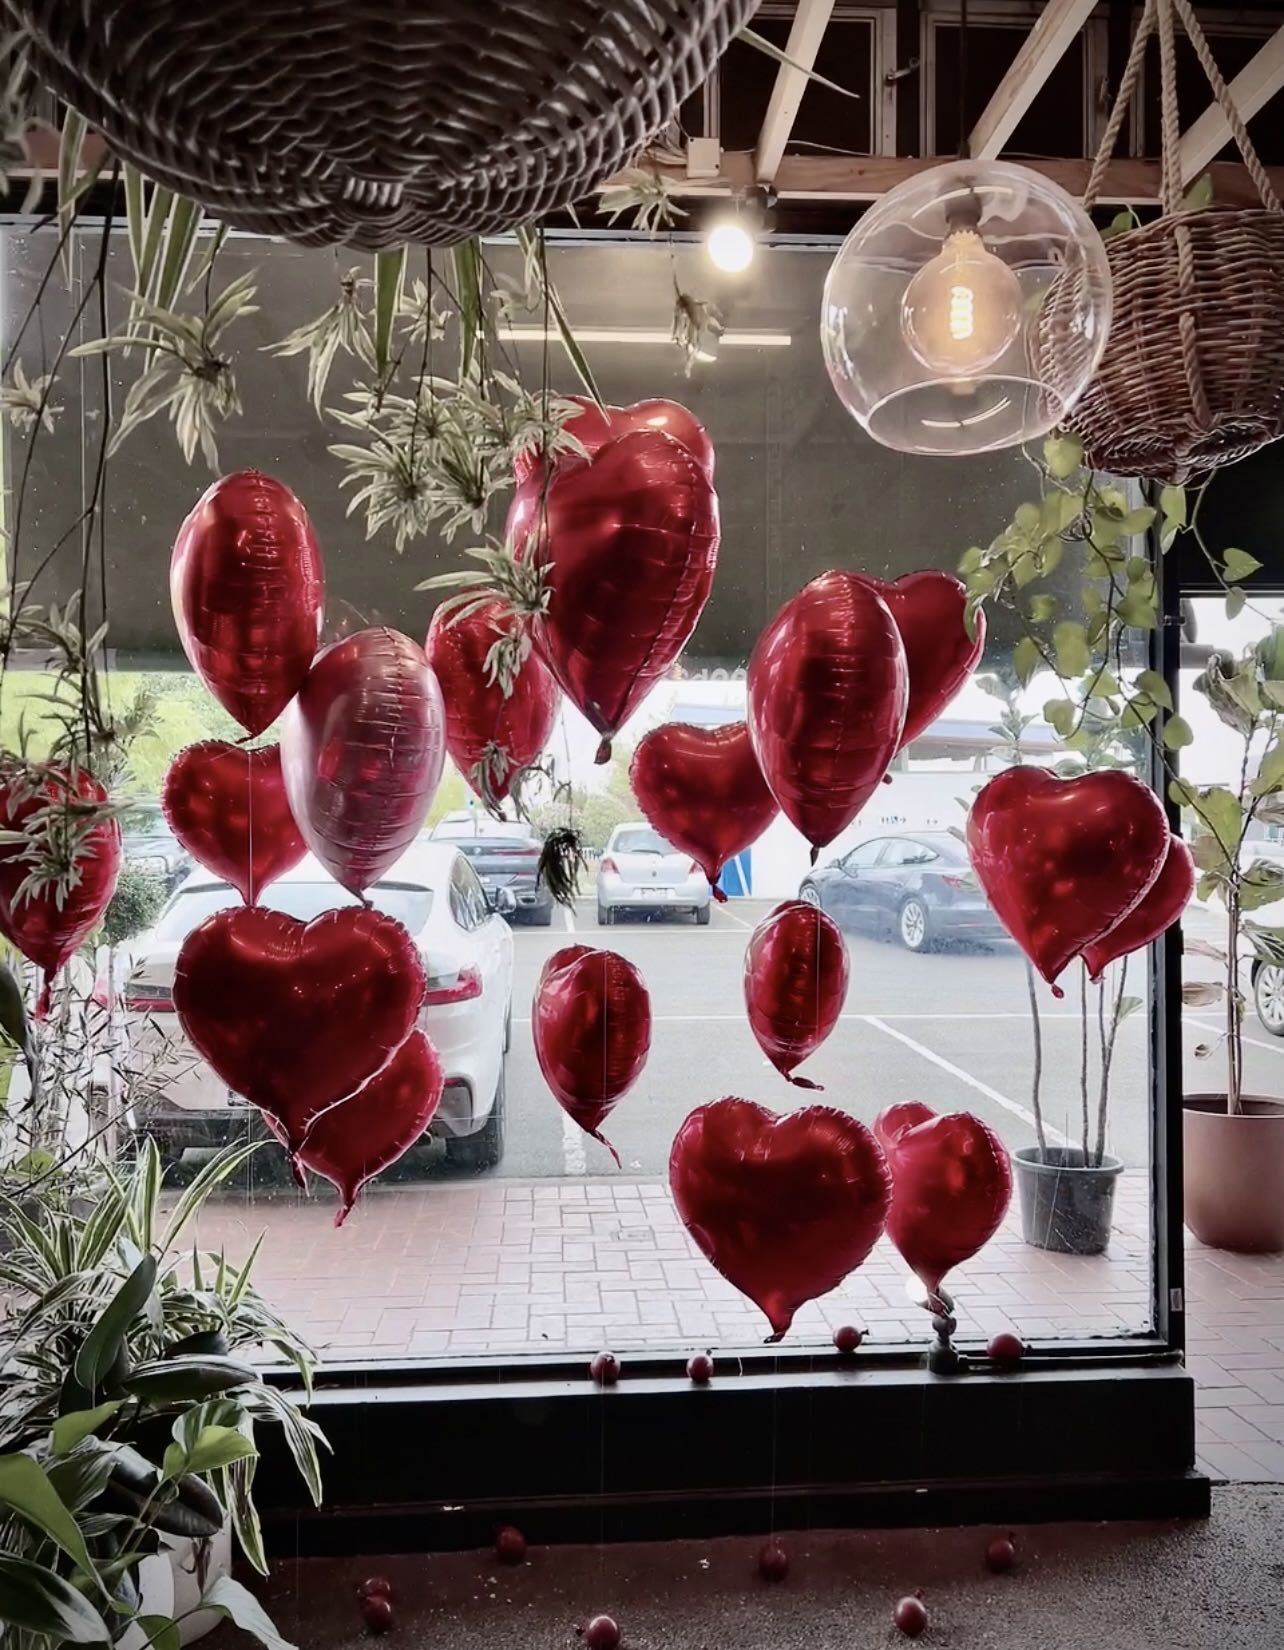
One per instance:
[(931, 308)]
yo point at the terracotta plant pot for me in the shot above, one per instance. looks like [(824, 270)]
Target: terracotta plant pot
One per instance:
[(1065, 1205), (1234, 1173)]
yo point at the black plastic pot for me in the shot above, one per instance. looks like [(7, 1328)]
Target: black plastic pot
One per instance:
[(1065, 1205)]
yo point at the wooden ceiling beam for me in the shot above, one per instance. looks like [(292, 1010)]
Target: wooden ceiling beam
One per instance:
[(1253, 87), (1041, 50), (805, 35)]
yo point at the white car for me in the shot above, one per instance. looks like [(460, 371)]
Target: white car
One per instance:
[(640, 871), (467, 950)]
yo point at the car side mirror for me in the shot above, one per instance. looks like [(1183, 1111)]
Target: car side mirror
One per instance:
[(501, 901)]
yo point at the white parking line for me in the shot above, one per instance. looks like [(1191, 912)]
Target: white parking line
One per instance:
[(965, 1077), (569, 918)]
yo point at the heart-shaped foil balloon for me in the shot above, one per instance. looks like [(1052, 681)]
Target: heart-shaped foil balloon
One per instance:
[(828, 687), (951, 1186), (1062, 861), (627, 542), (591, 1022), (795, 981), (784, 1207), (594, 426), (50, 925), (929, 612), (1156, 911), (491, 736), (362, 749), (248, 590), (703, 791), (366, 1133), (297, 1016), (227, 806)]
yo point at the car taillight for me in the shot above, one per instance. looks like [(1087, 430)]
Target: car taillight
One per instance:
[(466, 985), (98, 996), (608, 864), (961, 883), (149, 999)]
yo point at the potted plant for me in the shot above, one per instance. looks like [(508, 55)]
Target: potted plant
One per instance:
[(1234, 1141), (128, 1414)]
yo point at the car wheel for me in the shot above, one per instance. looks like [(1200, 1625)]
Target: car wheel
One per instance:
[(811, 894), (605, 915), (702, 915), (913, 926), (1268, 996), (483, 1150)]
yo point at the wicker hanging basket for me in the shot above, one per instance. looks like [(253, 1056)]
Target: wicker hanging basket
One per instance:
[(1193, 374), (376, 122)]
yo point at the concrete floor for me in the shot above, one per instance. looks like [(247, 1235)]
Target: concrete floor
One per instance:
[(1198, 1586)]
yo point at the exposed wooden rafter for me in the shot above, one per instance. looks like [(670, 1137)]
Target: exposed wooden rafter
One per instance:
[(1254, 86), (805, 34), (1041, 50)]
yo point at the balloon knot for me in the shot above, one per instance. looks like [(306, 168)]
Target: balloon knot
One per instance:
[(1057, 992), (887, 779), (603, 751), (773, 1340), (815, 853), (804, 1083), (603, 1141), (45, 998), (718, 894), (296, 1170), (342, 1214)]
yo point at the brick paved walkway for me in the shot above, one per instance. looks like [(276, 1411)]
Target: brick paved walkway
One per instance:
[(506, 1267)]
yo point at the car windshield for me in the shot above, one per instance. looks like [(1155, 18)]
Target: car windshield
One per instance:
[(478, 847), (642, 842), (408, 904)]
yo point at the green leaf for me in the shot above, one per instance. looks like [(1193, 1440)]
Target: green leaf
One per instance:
[(1026, 659), (187, 1380), (1177, 733), (1152, 684), (389, 278), (184, 225), (1270, 772), (230, 1599), (1199, 197), (25, 1487), (100, 1346), (466, 259), (1027, 518), (1042, 608), (38, 1601), (1261, 884), (1060, 714), (1235, 602), (1070, 644), (970, 560), (1238, 564), (73, 177), (1127, 1006), (214, 1447), (210, 1176), (81, 1477), (527, 239), (1139, 520), (1172, 506), (161, 1632), (68, 1430), (1138, 610), (157, 217), (1063, 455), (1221, 812), (760, 43)]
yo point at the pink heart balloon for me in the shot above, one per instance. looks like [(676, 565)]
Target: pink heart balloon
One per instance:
[(928, 609), (227, 806), (1157, 910), (795, 982)]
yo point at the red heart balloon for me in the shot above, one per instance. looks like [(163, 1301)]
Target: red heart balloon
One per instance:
[(594, 426), (591, 1022), (297, 1016), (951, 1186), (628, 542), (703, 791), (784, 1207), (362, 750), (366, 1133), (50, 925), (491, 737), (828, 686), (940, 655), (248, 590), (1063, 860), (795, 984), (227, 806), (1157, 910)]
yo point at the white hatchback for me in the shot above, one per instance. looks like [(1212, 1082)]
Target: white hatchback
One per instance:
[(640, 871), (467, 950)]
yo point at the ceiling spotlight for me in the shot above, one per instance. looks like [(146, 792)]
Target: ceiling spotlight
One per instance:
[(730, 246)]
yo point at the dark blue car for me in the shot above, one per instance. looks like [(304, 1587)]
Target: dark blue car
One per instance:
[(918, 887)]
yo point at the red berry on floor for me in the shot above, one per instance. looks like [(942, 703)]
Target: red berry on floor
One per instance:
[(376, 1612), (375, 1587), (602, 1634), (773, 1562), (605, 1370), (1000, 1555), (847, 1339), (1006, 1350), (510, 1545), (700, 1368), (911, 1616)]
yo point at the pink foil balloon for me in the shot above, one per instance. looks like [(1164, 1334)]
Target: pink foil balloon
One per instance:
[(227, 806), (784, 1207), (828, 687), (951, 1186), (1158, 909), (795, 982), (591, 1021), (248, 591), (593, 427), (362, 750), (940, 655), (1062, 861)]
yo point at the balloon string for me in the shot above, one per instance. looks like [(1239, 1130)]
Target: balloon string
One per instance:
[(805, 1083), (717, 892), (601, 1139), (603, 751), (249, 825)]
